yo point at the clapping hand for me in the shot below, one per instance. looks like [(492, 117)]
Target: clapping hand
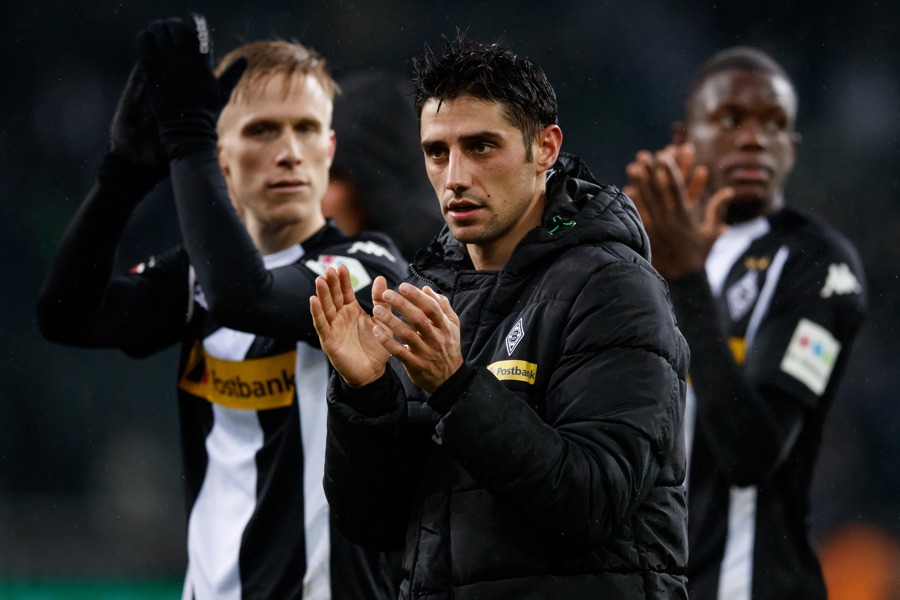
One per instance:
[(682, 219)]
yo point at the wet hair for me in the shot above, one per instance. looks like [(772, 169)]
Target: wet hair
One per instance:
[(736, 58), (492, 73), (278, 57)]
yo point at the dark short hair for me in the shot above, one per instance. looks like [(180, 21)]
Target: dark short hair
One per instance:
[(489, 72), (736, 58)]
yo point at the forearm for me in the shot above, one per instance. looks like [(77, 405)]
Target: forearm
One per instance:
[(79, 274), (751, 429), (577, 478), (366, 470), (241, 292)]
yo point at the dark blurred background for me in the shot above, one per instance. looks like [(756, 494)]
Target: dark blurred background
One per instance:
[(90, 475)]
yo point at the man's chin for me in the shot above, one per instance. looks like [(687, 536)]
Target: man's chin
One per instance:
[(745, 208)]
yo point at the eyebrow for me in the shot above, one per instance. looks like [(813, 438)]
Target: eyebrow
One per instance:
[(480, 136)]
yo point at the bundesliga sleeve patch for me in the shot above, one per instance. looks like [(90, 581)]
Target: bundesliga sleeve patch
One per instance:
[(811, 355), (359, 277)]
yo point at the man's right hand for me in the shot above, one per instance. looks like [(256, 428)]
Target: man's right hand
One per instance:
[(133, 134), (669, 191), (176, 60), (345, 330)]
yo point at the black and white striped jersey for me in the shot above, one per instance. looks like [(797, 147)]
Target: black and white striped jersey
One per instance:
[(785, 297), (253, 425)]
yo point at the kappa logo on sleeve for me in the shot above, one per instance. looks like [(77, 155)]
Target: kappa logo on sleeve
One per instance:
[(359, 277), (811, 355), (841, 280), (515, 370), (371, 248)]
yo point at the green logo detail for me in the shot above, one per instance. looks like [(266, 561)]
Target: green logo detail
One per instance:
[(558, 222)]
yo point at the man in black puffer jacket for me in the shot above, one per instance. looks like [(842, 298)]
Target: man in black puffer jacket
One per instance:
[(527, 441)]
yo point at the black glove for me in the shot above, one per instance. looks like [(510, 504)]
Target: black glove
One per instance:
[(134, 135), (176, 59)]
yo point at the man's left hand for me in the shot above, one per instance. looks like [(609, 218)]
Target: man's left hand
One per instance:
[(427, 338)]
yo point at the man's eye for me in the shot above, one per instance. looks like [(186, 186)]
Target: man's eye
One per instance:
[(775, 125), (481, 148), (258, 130), (435, 153), (728, 121)]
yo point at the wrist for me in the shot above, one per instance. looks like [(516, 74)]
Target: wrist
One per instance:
[(125, 176)]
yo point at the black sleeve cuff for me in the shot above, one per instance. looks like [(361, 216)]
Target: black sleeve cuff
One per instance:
[(444, 397), (370, 400)]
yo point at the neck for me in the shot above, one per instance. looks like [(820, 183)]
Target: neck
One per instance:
[(269, 238), (493, 255)]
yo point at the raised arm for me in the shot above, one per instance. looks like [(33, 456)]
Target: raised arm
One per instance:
[(81, 303)]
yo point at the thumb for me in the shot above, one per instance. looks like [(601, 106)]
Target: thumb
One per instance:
[(714, 219), (230, 77)]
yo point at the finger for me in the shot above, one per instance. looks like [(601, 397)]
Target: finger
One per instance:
[(408, 333), (631, 192), (640, 190), (333, 279), (320, 321), (444, 304), (324, 299), (427, 304), (696, 185), (714, 219), (670, 176), (391, 344), (379, 287), (348, 296), (684, 158)]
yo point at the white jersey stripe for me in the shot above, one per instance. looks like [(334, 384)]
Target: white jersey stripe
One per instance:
[(736, 579), (736, 576), (773, 276), (227, 497), (225, 504), (311, 394)]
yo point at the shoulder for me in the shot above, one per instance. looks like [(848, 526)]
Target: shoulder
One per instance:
[(366, 255), (813, 236), (822, 258)]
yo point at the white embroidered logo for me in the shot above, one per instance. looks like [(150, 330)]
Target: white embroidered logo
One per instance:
[(742, 295), (371, 248), (515, 336), (841, 280)]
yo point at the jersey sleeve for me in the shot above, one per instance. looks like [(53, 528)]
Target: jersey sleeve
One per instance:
[(240, 291), (804, 339), (82, 303), (753, 407)]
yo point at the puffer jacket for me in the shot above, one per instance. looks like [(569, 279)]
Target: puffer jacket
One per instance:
[(551, 464)]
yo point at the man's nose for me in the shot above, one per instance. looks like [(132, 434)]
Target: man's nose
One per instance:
[(458, 176), (290, 152), (752, 134)]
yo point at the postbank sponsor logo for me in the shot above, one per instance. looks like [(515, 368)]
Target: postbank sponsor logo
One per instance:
[(252, 384), (515, 370)]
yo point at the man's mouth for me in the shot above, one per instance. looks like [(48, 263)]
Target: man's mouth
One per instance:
[(748, 173), (287, 185)]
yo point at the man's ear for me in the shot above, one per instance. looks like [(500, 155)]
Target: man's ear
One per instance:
[(679, 133), (548, 146), (223, 165)]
